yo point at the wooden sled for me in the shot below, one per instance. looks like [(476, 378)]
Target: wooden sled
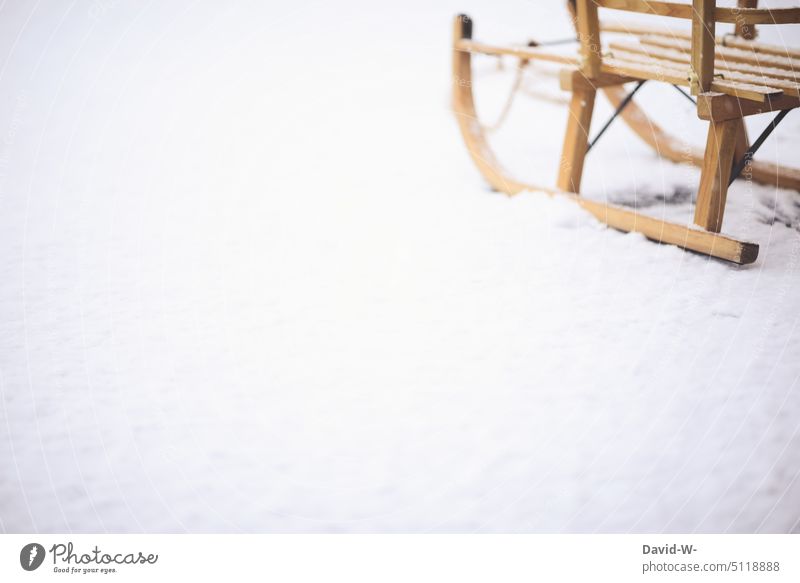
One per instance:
[(725, 95)]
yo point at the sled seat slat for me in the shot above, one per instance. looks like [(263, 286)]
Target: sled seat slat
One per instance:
[(519, 51), (757, 47), (780, 78), (728, 54), (727, 40), (667, 71), (677, 59), (631, 69)]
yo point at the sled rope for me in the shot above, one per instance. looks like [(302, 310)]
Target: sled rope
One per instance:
[(515, 88), (614, 116), (748, 155), (509, 100)]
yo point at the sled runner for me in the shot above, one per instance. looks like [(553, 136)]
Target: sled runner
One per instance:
[(730, 77)]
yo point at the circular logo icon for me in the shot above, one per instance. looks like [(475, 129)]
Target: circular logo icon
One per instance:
[(31, 556)]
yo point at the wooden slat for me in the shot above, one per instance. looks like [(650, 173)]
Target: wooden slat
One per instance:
[(660, 71), (633, 52), (622, 53), (758, 47), (619, 67), (572, 79), (787, 87), (639, 29), (724, 15), (728, 54), (671, 9), (640, 71), (522, 52), (758, 75), (718, 107), (758, 15)]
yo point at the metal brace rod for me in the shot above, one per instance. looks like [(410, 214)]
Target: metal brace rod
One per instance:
[(748, 155), (686, 95), (621, 106)]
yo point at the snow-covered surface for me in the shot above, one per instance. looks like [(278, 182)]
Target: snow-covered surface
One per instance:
[(250, 281)]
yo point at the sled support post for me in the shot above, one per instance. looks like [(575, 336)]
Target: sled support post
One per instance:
[(742, 141), (576, 140), (715, 174), (703, 45), (589, 36), (746, 31)]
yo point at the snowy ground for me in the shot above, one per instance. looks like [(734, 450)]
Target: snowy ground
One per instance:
[(250, 281)]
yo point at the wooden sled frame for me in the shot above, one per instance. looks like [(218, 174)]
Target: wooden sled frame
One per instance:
[(721, 102)]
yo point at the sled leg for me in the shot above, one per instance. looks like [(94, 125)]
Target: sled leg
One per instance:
[(742, 141), (716, 174), (576, 139)]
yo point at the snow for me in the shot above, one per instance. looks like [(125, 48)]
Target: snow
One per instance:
[(251, 281)]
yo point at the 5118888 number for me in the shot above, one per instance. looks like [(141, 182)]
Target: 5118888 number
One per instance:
[(756, 566)]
